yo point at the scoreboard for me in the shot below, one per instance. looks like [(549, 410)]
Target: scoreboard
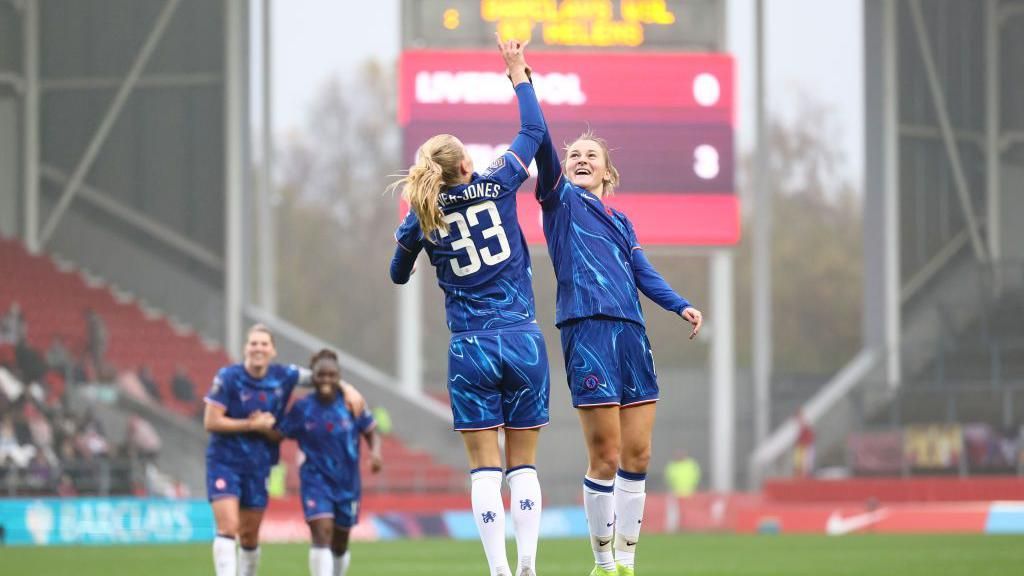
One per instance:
[(668, 118), (695, 25)]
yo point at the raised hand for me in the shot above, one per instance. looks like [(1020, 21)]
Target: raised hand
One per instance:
[(515, 60)]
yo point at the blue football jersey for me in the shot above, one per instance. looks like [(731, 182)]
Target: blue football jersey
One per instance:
[(241, 394), (328, 435), (598, 262), (481, 259)]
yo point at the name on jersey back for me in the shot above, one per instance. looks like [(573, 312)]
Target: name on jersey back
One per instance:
[(471, 192)]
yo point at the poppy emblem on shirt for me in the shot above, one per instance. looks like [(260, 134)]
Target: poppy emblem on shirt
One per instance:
[(263, 396), (590, 382), (330, 426), (220, 484), (609, 211), (498, 164)]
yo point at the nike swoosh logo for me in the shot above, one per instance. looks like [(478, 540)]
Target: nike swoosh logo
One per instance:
[(628, 543), (610, 524), (836, 525), (603, 542)]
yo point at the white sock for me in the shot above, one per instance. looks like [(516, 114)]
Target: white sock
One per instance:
[(224, 561), (489, 512), (341, 563), (321, 561), (248, 561), (630, 494), (526, 509), (599, 504)]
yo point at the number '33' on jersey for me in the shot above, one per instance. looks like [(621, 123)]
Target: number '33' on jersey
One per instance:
[(481, 259)]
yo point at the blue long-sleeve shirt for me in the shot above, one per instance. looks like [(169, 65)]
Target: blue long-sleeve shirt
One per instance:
[(482, 261), (599, 263)]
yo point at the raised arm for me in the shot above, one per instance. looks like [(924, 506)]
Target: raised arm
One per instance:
[(531, 120), (549, 172)]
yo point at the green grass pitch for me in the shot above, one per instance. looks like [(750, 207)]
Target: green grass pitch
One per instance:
[(703, 555)]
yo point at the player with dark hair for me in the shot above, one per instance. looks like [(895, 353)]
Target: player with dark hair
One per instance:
[(244, 403), (328, 434), (601, 268), (497, 361)]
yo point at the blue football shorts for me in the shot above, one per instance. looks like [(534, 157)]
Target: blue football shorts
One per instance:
[(224, 481), (499, 378), (608, 362)]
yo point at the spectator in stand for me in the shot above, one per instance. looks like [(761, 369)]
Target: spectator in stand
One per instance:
[(12, 326), (803, 451), (141, 439), (90, 440), (182, 386), (149, 382), (39, 475), (58, 358), (13, 451), (31, 364), (97, 340)]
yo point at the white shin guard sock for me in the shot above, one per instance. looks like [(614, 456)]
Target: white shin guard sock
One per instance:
[(248, 561), (526, 510), (630, 495), (489, 513), (225, 561), (599, 504), (341, 563), (321, 561)]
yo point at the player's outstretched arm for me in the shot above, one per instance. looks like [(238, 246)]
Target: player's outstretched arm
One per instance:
[(654, 286)]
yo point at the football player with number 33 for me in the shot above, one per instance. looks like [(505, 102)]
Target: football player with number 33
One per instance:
[(497, 362)]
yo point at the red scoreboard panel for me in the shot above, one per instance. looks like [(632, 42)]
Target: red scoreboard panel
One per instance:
[(667, 117)]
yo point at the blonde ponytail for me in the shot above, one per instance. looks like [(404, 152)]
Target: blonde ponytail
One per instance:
[(436, 168)]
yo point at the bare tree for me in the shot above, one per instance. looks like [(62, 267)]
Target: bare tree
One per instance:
[(335, 224)]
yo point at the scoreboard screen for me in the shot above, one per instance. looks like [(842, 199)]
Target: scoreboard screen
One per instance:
[(668, 119), (694, 25)]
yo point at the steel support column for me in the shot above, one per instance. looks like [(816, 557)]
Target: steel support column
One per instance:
[(113, 112)]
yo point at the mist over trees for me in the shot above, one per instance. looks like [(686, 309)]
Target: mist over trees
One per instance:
[(817, 255), (334, 223)]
